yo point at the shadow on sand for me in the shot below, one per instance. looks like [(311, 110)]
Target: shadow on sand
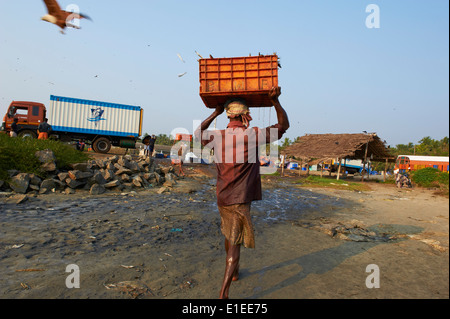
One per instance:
[(325, 260)]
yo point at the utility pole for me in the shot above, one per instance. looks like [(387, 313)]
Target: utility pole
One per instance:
[(365, 159)]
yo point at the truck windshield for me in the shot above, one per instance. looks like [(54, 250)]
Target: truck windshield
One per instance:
[(12, 111)]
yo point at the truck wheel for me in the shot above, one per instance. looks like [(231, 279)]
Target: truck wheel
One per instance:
[(27, 134), (102, 145)]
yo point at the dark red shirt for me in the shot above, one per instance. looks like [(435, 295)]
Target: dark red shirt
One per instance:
[(236, 155)]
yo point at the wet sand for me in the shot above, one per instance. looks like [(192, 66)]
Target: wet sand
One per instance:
[(310, 243)]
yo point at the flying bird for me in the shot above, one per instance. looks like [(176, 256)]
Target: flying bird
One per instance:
[(179, 56), (199, 55), (60, 17)]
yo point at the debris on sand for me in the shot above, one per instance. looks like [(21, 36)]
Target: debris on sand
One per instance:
[(351, 231), (132, 288), (430, 242)]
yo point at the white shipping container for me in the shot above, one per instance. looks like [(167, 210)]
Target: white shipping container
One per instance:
[(94, 117)]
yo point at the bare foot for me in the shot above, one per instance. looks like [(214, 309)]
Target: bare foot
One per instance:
[(236, 274)]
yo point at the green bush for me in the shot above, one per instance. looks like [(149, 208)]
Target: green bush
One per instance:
[(430, 177), (19, 153)]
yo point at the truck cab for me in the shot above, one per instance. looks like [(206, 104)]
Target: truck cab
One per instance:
[(30, 115)]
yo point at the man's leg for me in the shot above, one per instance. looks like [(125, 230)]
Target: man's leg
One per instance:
[(181, 173), (236, 272), (232, 264)]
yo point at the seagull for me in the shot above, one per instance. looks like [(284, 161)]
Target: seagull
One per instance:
[(199, 55), (60, 17), (179, 56)]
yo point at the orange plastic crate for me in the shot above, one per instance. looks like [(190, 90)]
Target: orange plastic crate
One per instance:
[(183, 137), (249, 78)]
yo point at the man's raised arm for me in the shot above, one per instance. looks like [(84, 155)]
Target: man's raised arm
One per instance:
[(206, 123), (282, 117)]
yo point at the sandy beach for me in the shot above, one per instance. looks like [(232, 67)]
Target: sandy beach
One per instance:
[(311, 243)]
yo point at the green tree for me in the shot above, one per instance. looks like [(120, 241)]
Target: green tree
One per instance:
[(429, 146), (286, 142), (163, 139), (426, 146)]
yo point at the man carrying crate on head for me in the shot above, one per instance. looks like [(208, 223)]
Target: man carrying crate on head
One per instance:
[(238, 174)]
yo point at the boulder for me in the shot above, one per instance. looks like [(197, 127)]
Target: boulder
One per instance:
[(19, 183), (49, 167), (97, 179), (47, 185), (108, 175), (73, 183), (79, 175), (35, 180), (133, 166), (122, 170), (63, 176), (48, 160), (112, 184), (137, 181), (96, 189), (45, 156)]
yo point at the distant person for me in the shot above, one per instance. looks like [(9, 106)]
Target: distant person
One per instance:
[(151, 144), (44, 129), (146, 150), (181, 154), (401, 180), (14, 128), (238, 181), (80, 145), (145, 141)]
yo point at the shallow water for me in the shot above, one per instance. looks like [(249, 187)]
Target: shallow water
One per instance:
[(293, 203)]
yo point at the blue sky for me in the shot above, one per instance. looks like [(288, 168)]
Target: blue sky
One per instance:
[(337, 75)]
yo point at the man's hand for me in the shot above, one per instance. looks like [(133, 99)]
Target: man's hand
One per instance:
[(281, 113), (274, 94)]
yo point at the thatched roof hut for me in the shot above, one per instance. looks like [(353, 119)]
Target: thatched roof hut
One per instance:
[(316, 148)]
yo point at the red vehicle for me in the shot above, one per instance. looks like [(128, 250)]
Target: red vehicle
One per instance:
[(407, 163), (30, 115)]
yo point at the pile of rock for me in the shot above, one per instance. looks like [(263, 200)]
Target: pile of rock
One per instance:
[(119, 173)]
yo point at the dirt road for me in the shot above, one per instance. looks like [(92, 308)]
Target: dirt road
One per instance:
[(310, 243)]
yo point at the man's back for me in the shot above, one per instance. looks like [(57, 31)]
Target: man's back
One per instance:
[(44, 127), (236, 155)]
